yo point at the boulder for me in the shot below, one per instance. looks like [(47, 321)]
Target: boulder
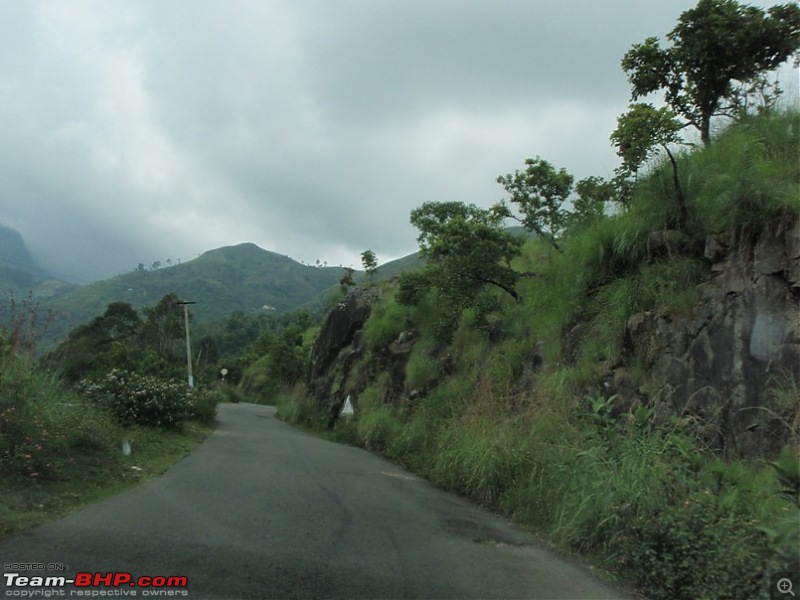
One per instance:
[(336, 348)]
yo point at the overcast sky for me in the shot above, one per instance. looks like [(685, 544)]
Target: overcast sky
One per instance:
[(142, 130)]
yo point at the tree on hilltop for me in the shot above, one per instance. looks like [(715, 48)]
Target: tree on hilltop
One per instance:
[(639, 134), (370, 263), (715, 44), (539, 192)]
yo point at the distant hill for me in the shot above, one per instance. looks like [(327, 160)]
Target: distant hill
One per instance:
[(397, 266), (13, 251), (393, 268), (234, 278), (242, 278), (19, 273), (388, 270)]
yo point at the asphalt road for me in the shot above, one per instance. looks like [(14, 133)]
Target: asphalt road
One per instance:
[(262, 510)]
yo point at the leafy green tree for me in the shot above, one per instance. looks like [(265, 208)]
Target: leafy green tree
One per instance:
[(163, 330), (106, 339), (640, 133), (539, 192), (715, 44), (466, 246), (412, 287), (208, 351), (238, 331), (121, 320), (370, 263), (347, 281), (287, 359), (589, 207)]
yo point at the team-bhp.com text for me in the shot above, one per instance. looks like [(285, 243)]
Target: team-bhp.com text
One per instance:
[(115, 584)]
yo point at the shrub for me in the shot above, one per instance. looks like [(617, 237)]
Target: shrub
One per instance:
[(142, 400), (203, 405), (42, 423), (482, 459), (421, 368), (377, 427), (300, 411), (387, 321)]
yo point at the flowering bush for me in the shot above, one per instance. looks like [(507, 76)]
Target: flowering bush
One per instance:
[(141, 399)]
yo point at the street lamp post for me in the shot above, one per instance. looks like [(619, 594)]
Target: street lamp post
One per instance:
[(188, 341)]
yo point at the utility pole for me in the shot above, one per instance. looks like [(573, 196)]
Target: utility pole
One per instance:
[(188, 341)]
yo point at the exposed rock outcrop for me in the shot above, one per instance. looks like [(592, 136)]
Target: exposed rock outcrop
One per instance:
[(731, 364), (740, 342), (338, 345)]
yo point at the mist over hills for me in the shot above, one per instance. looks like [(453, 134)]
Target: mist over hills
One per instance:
[(13, 250), (19, 272)]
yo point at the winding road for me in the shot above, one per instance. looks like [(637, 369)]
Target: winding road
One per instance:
[(263, 510)]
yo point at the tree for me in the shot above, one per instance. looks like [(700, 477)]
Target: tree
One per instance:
[(370, 263), (89, 347), (589, 207), (163, 330), (539, 191), (287, 359), (467, 246), (121, 320), (346, 282), (715, 44), (639, 134)]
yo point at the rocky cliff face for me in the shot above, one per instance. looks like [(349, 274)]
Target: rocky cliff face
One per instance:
[(735, 361), (336, 349), (731, 365)]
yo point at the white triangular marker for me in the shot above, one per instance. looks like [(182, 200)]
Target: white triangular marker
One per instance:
[(347, 409)]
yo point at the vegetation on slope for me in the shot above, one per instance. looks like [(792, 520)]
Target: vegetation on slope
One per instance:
[(506, 409), (500, 402), (63, 445)]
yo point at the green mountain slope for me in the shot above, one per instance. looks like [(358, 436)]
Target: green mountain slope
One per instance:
[(242, 278)]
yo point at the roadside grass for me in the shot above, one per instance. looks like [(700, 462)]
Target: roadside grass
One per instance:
[(89, 477), (61, 448), (642, 501)]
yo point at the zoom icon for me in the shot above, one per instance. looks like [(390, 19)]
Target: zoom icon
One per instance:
[(784, 585)]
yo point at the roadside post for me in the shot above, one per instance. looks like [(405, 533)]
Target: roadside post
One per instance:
[(185, 305)]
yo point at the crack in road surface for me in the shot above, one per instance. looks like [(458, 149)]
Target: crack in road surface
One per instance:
[(263, 510)]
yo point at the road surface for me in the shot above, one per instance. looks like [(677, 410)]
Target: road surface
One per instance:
[(263, 510)]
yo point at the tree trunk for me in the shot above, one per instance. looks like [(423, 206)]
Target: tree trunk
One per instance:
[(705, 129), (509, 290), (682, 213)]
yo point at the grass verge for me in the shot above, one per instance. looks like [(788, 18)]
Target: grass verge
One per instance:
[(27, 502)]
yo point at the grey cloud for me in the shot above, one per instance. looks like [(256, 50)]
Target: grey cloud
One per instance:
[(140, 131)]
